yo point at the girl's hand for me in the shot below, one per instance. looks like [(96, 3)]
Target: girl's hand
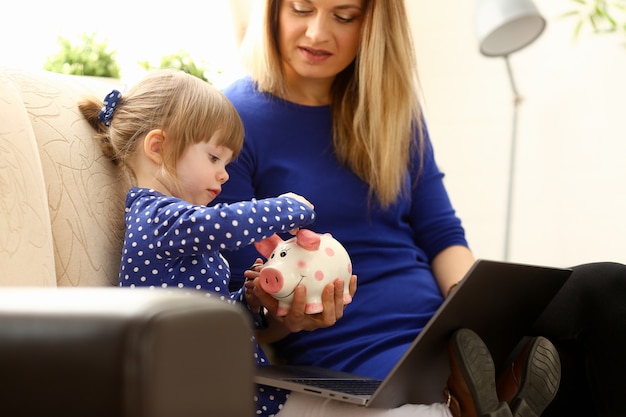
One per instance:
[(299, 198), (254, 304)]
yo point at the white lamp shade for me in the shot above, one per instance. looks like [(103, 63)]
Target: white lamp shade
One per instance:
[(506, 26)]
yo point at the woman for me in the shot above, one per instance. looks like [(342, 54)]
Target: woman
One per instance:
[(333, 91), (174, 135)]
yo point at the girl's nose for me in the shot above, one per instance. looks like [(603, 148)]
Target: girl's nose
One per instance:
[(223, 176)]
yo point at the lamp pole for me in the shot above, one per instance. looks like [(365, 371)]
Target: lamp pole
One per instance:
[(504, 27), (517, 99)]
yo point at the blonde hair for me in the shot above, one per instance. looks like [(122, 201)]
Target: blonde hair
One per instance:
[(376, 113), (186, 108)]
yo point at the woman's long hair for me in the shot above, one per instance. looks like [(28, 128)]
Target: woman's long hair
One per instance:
[(375, 100)]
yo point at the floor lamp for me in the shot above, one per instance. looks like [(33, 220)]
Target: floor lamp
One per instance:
[(504, 27)]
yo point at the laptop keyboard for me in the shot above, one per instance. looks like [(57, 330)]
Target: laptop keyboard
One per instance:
[(349, 386)]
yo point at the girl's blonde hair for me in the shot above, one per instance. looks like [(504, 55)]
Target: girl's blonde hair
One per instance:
[(187, 109), (375, 100)]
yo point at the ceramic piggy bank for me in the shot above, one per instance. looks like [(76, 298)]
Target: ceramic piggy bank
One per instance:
[(309, 258)]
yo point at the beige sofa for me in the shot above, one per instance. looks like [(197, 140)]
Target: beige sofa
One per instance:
[(61, 203), (61, 231)]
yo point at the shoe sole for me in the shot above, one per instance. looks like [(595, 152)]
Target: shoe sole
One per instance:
[(539, 381), (474, 360)]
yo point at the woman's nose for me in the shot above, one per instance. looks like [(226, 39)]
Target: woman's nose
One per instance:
[(318, 28)]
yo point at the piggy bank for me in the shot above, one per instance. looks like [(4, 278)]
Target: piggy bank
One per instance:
[(308, 258)]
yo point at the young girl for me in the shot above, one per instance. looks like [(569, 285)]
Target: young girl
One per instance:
[(175, 134)]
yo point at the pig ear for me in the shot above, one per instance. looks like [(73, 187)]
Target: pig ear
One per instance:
[(308, 239), (266, 246)]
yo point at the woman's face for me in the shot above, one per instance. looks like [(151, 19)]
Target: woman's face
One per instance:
[(318, 38)]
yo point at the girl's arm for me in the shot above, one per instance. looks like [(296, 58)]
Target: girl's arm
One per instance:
[(226, 226)]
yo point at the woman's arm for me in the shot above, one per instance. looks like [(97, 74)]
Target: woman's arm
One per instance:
[(450, 266)]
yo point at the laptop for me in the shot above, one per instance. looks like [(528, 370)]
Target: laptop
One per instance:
[(500, 301)]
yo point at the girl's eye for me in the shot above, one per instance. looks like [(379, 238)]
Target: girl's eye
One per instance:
[(213, 158)]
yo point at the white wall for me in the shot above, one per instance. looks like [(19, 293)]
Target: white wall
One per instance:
[(570, 192), (570, 188)]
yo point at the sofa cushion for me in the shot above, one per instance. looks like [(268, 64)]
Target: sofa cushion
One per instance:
[(26, 246), (85, 191)]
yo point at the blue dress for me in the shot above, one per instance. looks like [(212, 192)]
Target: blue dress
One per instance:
[(170, 243), (288, 147)]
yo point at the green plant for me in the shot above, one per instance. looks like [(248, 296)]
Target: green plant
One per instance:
[(601, 15), (181, 61), (87, 57)]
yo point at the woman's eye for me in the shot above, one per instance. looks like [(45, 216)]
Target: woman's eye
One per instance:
[(344, 19), (300, 8)]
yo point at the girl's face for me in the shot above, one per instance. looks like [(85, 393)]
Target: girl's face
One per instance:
[(318, 38), (201, 171)]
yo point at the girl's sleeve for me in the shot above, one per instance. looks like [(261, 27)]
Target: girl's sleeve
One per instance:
[(185, 230), (240, 187)]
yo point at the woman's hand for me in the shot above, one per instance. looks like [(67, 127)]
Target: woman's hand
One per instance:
[(296, 319)]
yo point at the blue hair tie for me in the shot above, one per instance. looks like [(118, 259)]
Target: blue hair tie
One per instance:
[(109, 106)]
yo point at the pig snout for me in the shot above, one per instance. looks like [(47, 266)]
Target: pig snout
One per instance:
[(272, 280)]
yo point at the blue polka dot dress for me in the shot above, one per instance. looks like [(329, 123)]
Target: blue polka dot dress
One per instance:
[(170, 243)]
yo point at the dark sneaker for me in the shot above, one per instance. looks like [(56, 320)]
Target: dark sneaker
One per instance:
[(530, 383), (471, 387)]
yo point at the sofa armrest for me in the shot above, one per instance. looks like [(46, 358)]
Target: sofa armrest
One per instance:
[(111, 352)]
